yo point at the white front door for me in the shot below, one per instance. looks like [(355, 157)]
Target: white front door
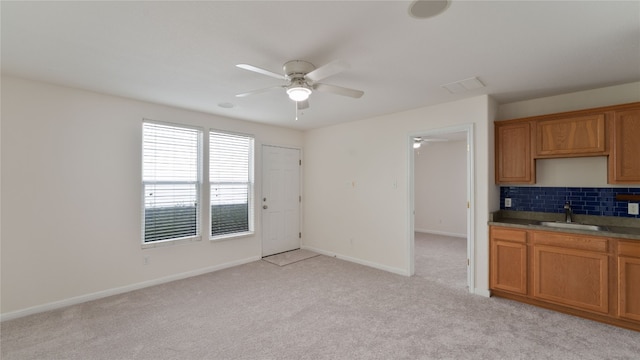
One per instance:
[(280, 199)]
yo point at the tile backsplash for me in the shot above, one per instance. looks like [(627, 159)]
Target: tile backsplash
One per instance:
[(584, 201)]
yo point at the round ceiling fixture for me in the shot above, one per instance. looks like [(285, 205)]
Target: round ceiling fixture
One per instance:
[(423, 9), (298, 93)]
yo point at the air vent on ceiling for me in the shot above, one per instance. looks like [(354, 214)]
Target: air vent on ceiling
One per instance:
[(463, 85)]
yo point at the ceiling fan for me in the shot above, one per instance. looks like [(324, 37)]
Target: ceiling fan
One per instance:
[(302, 78), (417, 141)]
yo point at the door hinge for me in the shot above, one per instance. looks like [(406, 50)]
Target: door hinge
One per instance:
[(299, 235), (299, 198), (468, 262), (468, 205), (300, 162), (468, 148)]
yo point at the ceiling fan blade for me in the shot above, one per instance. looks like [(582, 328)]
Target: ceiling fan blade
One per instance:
[(339, 90), (434, 140), (261, 71), (327, 70), (259, 91), (304, 104)]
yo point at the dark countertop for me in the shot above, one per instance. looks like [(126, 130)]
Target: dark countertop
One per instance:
[(617, 227)]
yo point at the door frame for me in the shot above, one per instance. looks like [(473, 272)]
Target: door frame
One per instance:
[(259, 199), (469, 129)]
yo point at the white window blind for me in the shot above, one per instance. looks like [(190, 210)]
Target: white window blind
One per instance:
[(171, 181), (231, 181)]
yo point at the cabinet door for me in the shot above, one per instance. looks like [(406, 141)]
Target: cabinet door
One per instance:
[(573, 136), (508, 266), (624, 161), (508, 259), (629, 280), (514, 163), (629, 288), (571, 277)]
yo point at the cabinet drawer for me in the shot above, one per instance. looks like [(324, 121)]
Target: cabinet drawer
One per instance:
[(628, 248), (508, 234), (571, 241)]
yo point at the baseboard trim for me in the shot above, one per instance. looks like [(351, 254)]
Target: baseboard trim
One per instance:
[(121, 290), (482, 292), (371, 264), (443, 233)]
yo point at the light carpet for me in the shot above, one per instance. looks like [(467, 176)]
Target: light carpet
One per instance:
[(290, 257), (320, 308)]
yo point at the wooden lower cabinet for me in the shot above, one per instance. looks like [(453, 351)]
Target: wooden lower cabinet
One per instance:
[(590, 276), (629, 280), (509, 260), (575, 278)]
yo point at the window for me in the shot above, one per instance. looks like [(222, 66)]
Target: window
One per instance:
[(171, 182), (231, 183)]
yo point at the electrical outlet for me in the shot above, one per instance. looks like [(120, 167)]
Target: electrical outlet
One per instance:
[(633, 208), (507, 202)]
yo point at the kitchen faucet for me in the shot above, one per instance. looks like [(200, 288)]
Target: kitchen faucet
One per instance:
[(568, 215)]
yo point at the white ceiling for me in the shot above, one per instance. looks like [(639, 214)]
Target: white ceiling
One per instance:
[(184, 53)]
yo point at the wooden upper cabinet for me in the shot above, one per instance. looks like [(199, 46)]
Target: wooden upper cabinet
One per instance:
[(514, 163), (571, 136), (612, 131), (624, 160)]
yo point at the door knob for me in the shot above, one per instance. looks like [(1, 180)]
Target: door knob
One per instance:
[(265, 207)]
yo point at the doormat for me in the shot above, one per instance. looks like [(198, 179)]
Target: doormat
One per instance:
[(290, 257)]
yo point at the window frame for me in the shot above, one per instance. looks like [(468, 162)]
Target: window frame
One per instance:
[(251, 152), (198, 187)]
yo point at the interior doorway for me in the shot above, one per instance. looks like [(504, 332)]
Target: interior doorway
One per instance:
[(455, 217)]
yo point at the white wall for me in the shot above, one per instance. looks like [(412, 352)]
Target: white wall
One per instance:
[(71, 196), (441, 188), (574, 172), (356, 184)]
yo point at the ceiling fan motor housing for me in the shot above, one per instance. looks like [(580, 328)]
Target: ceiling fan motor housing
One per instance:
[(297, 69)]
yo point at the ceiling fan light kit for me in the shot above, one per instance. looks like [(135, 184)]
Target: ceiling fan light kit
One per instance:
[(298, 93)]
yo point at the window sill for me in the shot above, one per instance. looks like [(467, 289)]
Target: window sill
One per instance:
[(180, 241), (232, 236)]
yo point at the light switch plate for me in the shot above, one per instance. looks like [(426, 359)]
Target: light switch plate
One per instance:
[(633, 208), (507, 202)]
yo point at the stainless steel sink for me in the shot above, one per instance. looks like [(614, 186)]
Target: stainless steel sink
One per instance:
[(574, 226)]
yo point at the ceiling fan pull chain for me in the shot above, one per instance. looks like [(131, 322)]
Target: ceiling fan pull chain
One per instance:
[(296, 110)]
